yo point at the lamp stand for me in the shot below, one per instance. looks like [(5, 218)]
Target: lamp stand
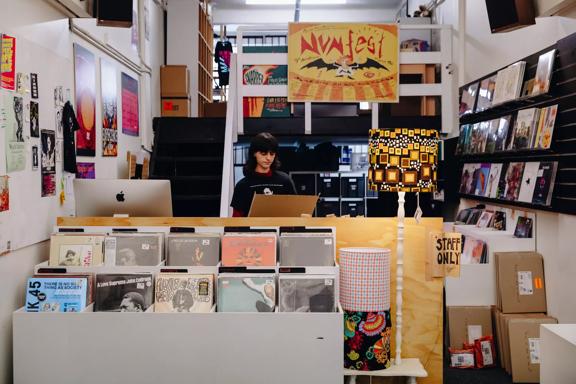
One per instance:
[(399, 277)]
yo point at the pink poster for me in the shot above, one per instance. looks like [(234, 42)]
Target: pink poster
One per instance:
[(85, 171), (85, 87), (129, 105)]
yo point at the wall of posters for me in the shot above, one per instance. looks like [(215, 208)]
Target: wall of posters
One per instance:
[(339, 62), (109, 109), (85, 88), (85, 171), (130, 123), (13, 122), (8, 63)]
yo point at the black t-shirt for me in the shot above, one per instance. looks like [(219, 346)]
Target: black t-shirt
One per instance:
[(69, 125), (278, 183), (222, 58)]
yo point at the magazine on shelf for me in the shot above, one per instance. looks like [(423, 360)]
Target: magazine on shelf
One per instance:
[(123, 292), (56, 294), (503, 124), (544, 73), (513, 179), (246, 292), (529, 179), (499, 221), (545, 130), (523, 227), (306, 293), (493, 179), (184, 292), (130, 249), (463, 146), (192, 249), (545, 183), (524, 128), (79, 250), (468, 99), (482, 179), (486, 93), (485, 219)]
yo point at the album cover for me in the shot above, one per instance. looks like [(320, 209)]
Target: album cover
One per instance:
[(545, 130), (183, 292), (513, 181), (123, 292), (468, 182), (545, 183), (485, 219), (544, 73), (474, 251), (462, 216), (509, 83), (475, 214), (307, 249), (528, 182), (56, 294), (491, 136), (524, 128), (306, 293), (499, 221), (500, 193), (484, 131), (501, 143), (482, 179), (135, 248), (249, 249), (468, 99), (193, 249), (477, 138), (523, 227), (246, 292), (493, 179), (76, 250), (486, 93), (463, 146), (90, 277)]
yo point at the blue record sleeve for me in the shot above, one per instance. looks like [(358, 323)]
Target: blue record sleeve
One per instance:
[(56, 294)]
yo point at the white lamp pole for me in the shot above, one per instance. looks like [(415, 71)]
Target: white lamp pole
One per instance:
[(399, 277)]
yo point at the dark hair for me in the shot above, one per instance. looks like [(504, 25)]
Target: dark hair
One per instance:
[(135, 298), (262, 142)]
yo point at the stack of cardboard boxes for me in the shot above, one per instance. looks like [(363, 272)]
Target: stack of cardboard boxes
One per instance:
[(175, 90), (521, 308)]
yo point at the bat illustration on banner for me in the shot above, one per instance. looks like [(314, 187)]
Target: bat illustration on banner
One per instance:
[(343, 67)]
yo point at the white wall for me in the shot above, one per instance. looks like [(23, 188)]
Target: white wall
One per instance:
[(485, 52)]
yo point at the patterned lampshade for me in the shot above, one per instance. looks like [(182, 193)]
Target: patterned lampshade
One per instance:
[(402, 159)]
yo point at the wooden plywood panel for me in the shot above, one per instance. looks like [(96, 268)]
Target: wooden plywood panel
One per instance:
[(422, 313)]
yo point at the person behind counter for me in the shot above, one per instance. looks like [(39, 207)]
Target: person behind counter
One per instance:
[(261, 175)]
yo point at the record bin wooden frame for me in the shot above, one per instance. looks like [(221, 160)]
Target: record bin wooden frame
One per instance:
[(96, 347)]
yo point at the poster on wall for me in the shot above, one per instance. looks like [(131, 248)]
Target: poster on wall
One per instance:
[(85, 87), (8, 63), (34, 119), (266, 107), (13, 123), (48, 159), (265, 74), (34, 157), (34, 85), (109, 109), (340, 62), (4, 194), (129, 105), (85, 171), (48, 185)]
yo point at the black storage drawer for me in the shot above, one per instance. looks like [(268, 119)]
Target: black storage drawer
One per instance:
[(353, 208), (353, 186), (325, 208), (305, 183), (329, 186)]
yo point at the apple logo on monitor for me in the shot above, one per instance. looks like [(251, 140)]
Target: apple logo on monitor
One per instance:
[(120, 196)]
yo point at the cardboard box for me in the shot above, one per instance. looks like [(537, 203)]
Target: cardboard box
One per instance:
[(524, 340), (215, 110), (520, 282), (175, 107), (465, 324), (174, 81)]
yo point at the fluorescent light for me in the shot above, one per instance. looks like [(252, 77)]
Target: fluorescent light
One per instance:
[(292, 2)]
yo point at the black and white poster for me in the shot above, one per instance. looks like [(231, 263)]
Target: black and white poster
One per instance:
[(34, 119), (34, 85), (48, 159), (34, 157)]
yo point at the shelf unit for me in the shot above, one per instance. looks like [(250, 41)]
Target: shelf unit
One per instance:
[(205, 56)]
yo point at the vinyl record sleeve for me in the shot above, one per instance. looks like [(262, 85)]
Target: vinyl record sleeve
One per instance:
[(306, 293), (183, 292), (193, 249), (124, 292), (246, 292), (76, 250)]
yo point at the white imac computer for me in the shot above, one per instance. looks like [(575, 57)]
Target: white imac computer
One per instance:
[(136, 198)]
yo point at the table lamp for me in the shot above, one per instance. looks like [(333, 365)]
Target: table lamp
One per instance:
[(402, 160)]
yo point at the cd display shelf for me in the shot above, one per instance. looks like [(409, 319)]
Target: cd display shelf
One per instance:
[(251, 347), (562, 150)]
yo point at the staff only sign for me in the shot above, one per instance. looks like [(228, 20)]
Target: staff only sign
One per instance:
[(444, 255), (338, 62)]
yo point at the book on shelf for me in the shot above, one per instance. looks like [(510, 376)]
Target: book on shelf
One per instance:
[(481, 177), (523, 227), (547, 119), (468, 99), (246, 292), (485, 219), (545, 183), (543, 73), (56, 294), (79, 250), (529, 178), (248, 249), (184, 292), (123, 292), (513, 178), (131, 249), (493, 178), (499, 221), (486, 93), (306, 293), (192, 249), (523, 132)]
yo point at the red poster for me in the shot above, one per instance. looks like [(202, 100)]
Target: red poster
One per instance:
[(85, 82), (129, 105), (8, 66)]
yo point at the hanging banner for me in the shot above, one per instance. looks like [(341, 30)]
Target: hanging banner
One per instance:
[(444, 255), (8, 64), (130, 125), (339, 62), (109, 109), (85, 82)]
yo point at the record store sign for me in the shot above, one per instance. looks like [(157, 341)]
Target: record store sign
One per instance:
[(338, 62)]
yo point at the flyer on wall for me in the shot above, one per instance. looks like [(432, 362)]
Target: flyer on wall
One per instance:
[(129, 105), (48, 160), (109, 109), (13, 122), (8, 66), (48, 185), (4, 194), (85, 171), (85, 83)]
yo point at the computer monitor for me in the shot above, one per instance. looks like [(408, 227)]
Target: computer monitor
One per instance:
[(137, 198)]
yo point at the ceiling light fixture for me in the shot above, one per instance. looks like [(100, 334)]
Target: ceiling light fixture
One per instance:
[(292, 2)]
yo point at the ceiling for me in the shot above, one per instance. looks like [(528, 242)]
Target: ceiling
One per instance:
[(373, 4)]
